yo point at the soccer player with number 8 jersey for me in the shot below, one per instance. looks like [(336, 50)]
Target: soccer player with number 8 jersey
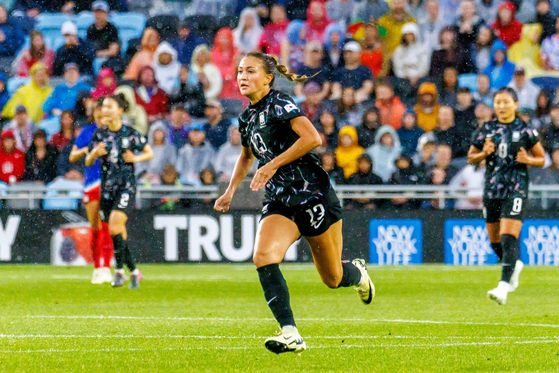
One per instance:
[(508, 146)]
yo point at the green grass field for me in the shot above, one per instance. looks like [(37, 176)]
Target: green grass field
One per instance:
[(214, 318)]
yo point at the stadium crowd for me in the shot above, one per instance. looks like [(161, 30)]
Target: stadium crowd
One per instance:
[(399, 89)]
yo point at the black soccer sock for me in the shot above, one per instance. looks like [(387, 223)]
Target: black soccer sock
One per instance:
[(276, 293), (351, 276), (511, 253), (496, 246), (128, 259), (118, 244)]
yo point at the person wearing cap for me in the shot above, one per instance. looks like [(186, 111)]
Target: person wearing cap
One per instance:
[(392, 22), (195, 155), (22, 127), (31, 95), (64, 95), (102, 34), (216, 126), (186, 42), (11, 36), (40, 160), (74, 50), (526, 90), (353, 74), (12, 160), (314, 52)]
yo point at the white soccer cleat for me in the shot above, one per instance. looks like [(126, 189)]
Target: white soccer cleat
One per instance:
[(515, 275), (97, 277), (106, 275), (365, 289), (499, 294), (288, 341)]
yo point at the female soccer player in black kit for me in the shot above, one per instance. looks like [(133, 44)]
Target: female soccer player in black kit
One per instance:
[(508, 145), (299, 198), (115, 146)]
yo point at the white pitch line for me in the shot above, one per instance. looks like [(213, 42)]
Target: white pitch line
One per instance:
[(266, 319), (426, 345)]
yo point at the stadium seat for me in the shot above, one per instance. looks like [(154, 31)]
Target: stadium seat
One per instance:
[(98, 64), (49, 24), (15, 82), (129, 25), (83, 21), (468, 81), (50, 125), (70, 203)]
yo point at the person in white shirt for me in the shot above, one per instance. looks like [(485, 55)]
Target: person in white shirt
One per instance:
[(526, 90), (430, 28)]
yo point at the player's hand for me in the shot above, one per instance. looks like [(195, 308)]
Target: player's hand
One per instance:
[(522, 156), (100, 150), (488, 146), (223, 202), (128, 156), (262, 176)]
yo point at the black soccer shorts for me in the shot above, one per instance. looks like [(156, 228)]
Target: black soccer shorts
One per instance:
[(120, 200), (313, 218), (507, 208)]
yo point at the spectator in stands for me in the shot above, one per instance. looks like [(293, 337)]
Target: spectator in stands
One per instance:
[(317, 21), (64, 95), (487, 9), (371, 9), (500, 69), (471, 178), (12, 160), (4, 94), (169, 177), (216, 128), (507, 28), (37, 52), (526, 90), (144, 57), (196, 155), (409, 62), (333, 43), (102, 34), (448, 87), (446, 132), (135, 116), (464, 110), (374, 50), (405, 174), (179, 125), (116, 64), (430, 27), (247, 35), (163, 154), (293, 47), (542, 118), (424, 158), (31, 95), (274, 33), (484, 92), (106, 84), (550, 133), (40, 160), (390, 107), (481, 51), (166, 66), (228, 154), (11, 38), (22, 128), (450, 55), (297, 9), (348, 111), (190, 95), (549, 53), (427, 108), (208, 74), (467, 24), (353, 74), (313, 65), (329, 164), (483, 114), (150, 96), (32, 8), (545, 19), (311, 106), (369, 125), (85, 109), (340, 11), (363, 176), (226, 57), (66, 133), (409, 133), (443, 163), (74, 50), (385, 151), (70, 170), (548, 175), (416, 9), (348, 150), (392, 22), (449, 9), (328, 126), (186, 42)]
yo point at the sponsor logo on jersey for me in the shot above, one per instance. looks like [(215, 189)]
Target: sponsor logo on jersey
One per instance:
[(279, 110), (262, 120)]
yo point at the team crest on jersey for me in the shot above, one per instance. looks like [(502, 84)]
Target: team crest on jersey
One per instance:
[(262, 120), (125, 143), (515, 135)]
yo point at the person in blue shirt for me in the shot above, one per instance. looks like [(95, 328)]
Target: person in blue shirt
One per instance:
[(186, 42), (4, 95), (64, 96), (353, 74), (101, 242)]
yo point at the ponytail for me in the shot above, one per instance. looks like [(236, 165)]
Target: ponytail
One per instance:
[(270, 64)]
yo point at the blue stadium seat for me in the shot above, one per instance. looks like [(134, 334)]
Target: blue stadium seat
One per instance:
[(98, 64), (15, 82), (50, 125), (468, 81), (70, 203), (49, 24), (83, 21), (549, 83), (132, 23)]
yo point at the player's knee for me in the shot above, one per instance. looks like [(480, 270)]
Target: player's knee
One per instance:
[(261, 258)]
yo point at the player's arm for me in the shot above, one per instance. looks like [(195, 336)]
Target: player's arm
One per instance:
[(308, 140), (98, 151), (475, 156), (145, 155), (76, 154), (536, 158), (242, 168)]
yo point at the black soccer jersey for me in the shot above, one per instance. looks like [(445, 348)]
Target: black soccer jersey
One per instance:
[(115, 173), (266, 128), (504, 176)]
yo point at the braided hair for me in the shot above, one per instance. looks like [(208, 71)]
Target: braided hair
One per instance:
[(270, 64)]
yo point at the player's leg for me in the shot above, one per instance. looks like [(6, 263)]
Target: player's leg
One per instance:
[(92, 211), (123, 255), (275, 234), (327, 254), (492, 213)]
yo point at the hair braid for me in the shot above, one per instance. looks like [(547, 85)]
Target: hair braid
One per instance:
[(271, 63)]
